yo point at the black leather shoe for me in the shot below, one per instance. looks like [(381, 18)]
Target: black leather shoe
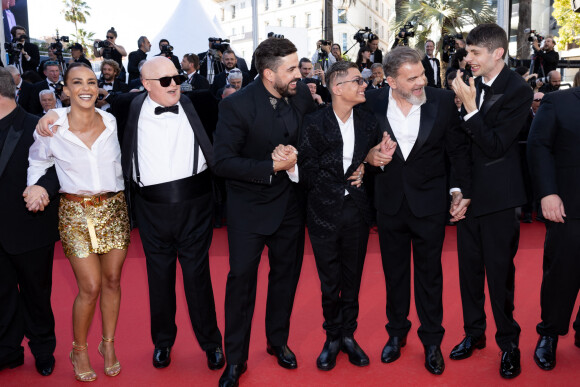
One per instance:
[(434, 359), (285, 356), (231, 375), (356, 355), (465, 349), (12, 361), (545, 353), (392, 350), (510, 364), (161, 357), (215, 358), (327, 359), (577, 339), (45, 364)]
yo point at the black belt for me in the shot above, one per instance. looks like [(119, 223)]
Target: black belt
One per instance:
[(178, 190)]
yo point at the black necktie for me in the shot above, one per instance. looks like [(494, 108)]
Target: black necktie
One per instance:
[(171, 109)]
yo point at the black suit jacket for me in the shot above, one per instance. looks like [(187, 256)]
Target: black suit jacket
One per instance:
[(118, 86), (26, 94), (422, 177), (429, 72), (32, 64), (198, 82), (378, 56), (495, 159), (243, 144), (320, 155), (34, 106), (218, 66), (133, 63), (553, 149), (21, 230)]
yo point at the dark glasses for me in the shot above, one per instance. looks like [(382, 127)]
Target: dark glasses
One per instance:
[(166, 81), (358, 80), (110, 37)]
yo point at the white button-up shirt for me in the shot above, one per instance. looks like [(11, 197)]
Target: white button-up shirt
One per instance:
[(347, 132), (81, 170), (405, 128)]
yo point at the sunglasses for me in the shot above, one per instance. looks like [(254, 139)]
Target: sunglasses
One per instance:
[(166, 81), (358, 80), (110, 37)]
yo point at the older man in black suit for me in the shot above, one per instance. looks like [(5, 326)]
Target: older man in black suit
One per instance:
[(554, 162), (411, 197), (263, 204), (495, 105), (26, 242)]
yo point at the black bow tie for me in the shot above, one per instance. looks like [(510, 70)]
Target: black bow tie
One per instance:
[(52, 85), (108, 84), (432, 58), (485, 88), (171, 109)]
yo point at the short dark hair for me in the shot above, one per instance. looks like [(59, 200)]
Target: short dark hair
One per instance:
[(15, 28), (490, 36), (50, 63), (270, 53), (397, 57), (303, 60), (7, 86), (112, 31), (338, 69), (113, 64), (192, 58), (74, 65), (229, 51), (163, 40)]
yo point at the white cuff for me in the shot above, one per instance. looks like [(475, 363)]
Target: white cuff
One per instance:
[(293, 175), (454, 189), (469, 115)]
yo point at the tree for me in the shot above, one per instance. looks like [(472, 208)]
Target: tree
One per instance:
[(84, 37), (328, 20), (569, 23), (76, 12), (524, 21)]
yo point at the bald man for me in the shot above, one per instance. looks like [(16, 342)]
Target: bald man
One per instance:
[(553, 82)]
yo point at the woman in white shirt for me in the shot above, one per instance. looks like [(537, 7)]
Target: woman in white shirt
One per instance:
[(93, 220)]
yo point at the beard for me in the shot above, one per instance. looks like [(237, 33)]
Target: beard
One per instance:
[(415, 100), (284, 89)]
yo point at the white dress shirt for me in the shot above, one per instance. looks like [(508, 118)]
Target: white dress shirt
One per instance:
[(405, 128), (81, 170), (165, 146), (347, 133)]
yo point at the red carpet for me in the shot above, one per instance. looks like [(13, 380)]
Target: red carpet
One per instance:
[(188, 368)]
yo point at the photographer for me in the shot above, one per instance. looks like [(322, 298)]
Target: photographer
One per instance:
[(27, 57), (376, 53), (210, 62), (459, 43), (137, 56), (458, 62), (53, 83), (550, 83), (78, 55), (108, 49), (167, 51), (546, 59), (322, 56)]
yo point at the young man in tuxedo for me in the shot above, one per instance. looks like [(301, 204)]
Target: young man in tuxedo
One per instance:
[(411, 197), (26, 242), (553, 145), (431, 65), (263, 204), (495, 105)]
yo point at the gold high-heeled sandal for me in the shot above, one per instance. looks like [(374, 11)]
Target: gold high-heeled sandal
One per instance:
[(115, 369), (89, 376)]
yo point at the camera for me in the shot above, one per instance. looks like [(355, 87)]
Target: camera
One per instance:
[(58, 88), (167, 50), (219, 44), (57, 45), (533, 35), (103, 44), (13, 47), (364, 35), (449, 43), (404, 34), (276, 36)]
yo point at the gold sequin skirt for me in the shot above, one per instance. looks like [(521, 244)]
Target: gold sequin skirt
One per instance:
[(93, 226)]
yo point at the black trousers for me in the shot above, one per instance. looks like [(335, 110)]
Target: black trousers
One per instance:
[(561, 279), (487, 244), (179, 231), (285, 252), (339, 260), (397, 233), (25, 309)]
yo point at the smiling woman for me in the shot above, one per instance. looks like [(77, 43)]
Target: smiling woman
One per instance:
[(93, 219)]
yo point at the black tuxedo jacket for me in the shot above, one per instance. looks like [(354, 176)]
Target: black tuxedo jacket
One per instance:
[(26, 94), (497, 178), (34, 106), (118, 86), (554, 149), (378, 56), (429, 72), (243, 144), (320, 155), (198, 82), (220, 80), (21, 230), (422, 177)]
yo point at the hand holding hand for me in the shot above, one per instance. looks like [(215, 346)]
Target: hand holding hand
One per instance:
[(357, 176), (458, 206), (36, 198), (285, 157)]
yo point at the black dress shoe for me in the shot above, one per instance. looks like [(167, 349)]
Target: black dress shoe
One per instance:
[(392, 350), (285, 356), (12, 361), (327, 359), (577, 339), (465, 349), (231, 375), (434, 359), (510, 364), (161, 357), (356, 355), (545, 353), (215, 358), (45, 364)]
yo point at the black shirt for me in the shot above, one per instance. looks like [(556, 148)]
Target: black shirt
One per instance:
[(5, 124), (546, 60), (135, 58)]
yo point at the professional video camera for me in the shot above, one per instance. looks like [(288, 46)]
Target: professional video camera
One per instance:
[(57, 45), (276, 36), (167, 50), (533, 35), (404, 34), (13, 47), (58, 88), (449, 43), (363, 36), (219, 44)]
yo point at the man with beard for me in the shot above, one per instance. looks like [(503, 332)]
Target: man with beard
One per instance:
[(495, 107), (109, 83), (230, 62), (263, 205), (411, 197), (137, 56)]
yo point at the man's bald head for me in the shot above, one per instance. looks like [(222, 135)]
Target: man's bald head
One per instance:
[(154, 69), (157, 67)]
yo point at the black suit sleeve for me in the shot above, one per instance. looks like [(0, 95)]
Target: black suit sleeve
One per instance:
[(496, 140), (49, 181), (32, 50), (540, 149), (457, 148), (133, 63)]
